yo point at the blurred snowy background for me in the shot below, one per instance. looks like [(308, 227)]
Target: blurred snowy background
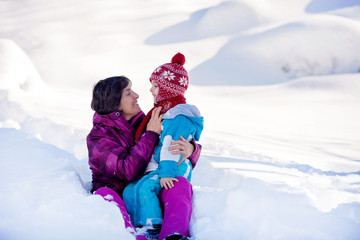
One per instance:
[(278, 83)]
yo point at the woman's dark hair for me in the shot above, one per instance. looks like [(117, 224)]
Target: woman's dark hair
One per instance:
[(107, 94)]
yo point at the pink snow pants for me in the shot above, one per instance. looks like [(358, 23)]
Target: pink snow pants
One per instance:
[(177, 208)]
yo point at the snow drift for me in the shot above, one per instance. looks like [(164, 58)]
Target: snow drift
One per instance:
[(303, 48)]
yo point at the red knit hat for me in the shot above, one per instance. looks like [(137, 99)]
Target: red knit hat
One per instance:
[(171, 78)]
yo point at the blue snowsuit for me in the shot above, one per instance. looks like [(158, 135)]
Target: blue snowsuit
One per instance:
[(140, 197)]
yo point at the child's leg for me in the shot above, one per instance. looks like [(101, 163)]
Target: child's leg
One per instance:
[(146, 206), (177, 208)]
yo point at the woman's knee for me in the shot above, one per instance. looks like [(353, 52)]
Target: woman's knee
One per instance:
[(181, 188), (183, 181), (183, 184)]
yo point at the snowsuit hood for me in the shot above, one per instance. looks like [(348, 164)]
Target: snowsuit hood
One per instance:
[(191, 112)]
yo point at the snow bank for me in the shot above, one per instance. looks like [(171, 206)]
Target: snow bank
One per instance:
[(236, 16), (67, 138), (24, 97), (45, 195), (16, 69), (317, 6), (319, 45), (253, 209)]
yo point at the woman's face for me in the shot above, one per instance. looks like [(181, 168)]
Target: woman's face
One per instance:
[(154, 90), (128, 103)]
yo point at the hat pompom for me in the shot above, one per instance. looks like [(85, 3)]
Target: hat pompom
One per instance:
[(179, 58)]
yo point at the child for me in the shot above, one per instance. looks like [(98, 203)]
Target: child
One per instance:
[(169, 83)]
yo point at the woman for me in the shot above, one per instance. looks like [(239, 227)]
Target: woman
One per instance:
[(115, 158)]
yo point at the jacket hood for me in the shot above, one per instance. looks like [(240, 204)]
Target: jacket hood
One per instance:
[(116, 120), (191, 112), (113, 118)]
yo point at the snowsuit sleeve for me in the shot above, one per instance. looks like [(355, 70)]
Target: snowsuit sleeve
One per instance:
[(172, 130), (196, 153), (116, 160)]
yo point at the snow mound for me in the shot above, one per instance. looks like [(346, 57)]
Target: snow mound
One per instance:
[(24, 97), (317, 6), (349, 85), (319, 45), (253, 209), (13, 115), (12, 59), (46, 195), (235, 17)]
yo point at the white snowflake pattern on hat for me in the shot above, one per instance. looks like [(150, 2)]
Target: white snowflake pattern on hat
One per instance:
[(168, 75), (183, 81), (158, 69)]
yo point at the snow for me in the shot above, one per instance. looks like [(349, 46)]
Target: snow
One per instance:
[(276, 81)]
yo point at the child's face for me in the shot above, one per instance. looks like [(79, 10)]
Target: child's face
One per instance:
[(154, 90)]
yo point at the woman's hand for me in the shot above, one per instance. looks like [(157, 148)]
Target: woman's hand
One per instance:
[(167, 182), (182, 147), (154, 123)]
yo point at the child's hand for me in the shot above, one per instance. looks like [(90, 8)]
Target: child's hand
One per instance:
[(167, 182)]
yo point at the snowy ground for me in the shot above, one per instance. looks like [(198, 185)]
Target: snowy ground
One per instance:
[(277, 81)]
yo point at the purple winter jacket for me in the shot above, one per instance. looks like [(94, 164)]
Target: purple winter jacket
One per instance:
[(114, 158)]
